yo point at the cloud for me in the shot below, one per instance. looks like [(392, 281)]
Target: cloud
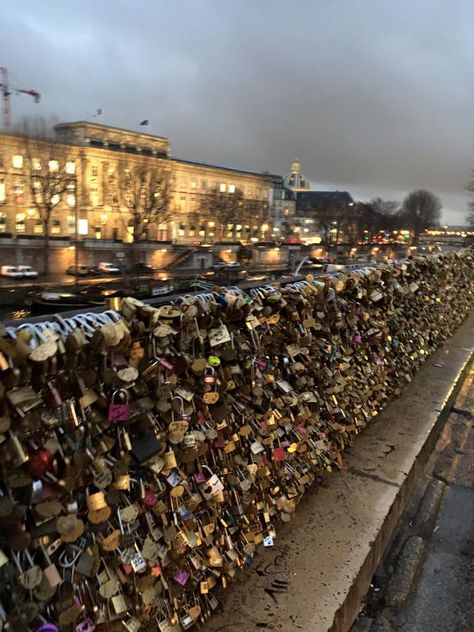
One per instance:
[(373, 97)]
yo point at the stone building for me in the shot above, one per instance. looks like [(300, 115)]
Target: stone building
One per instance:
[(90, 210)]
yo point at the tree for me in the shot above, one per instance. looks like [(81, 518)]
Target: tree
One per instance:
[(421, 210), (226, 208), (142, 191), (470, 188), (49, 176), (221, 207), (384, 207)]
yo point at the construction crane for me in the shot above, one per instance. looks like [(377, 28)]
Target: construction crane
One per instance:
[(7, 91)]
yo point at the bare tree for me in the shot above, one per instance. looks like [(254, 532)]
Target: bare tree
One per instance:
[(421, 210), (384, 207), (49, 175), (142, 190), (221, 207), (470, 188)]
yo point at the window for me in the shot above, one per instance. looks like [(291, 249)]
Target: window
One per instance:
[(71, 168), (71, 199), (3, 222), (36, 164), (55, 226), (71, 224), (222, 187), (20, 223), (204, 185), (38, 227), (18, 187), (94, 197), (53, 165), (17, 161), (231, 188), (55, 199), (1, 161), (193, 184), (94, 170), (3, 191)]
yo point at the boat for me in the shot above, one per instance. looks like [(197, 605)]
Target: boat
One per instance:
[(50, 301)]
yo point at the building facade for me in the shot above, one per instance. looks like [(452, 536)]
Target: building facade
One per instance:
[(89, 207)]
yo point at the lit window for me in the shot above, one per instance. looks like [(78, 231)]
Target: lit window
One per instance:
[(3, 191), (55, 227), (71, 224), (193, 184), (20, 226), (53, 165), (17, 161), (231, 188), (71, 168), (18, 187), (222, 187), (38, 227), (55, 199), (71, 199), (36, 164)]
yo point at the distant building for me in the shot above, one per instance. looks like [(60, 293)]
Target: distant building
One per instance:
[(309, 203)]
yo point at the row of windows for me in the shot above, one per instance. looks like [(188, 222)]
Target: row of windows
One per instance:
[(223, 187), (53, 165), (20, 224), (18, 189)]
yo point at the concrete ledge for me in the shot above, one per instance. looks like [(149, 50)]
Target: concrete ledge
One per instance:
[(316, 576)]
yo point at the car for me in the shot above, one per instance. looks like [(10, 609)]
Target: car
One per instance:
[(28, 272), (79, 270), (11, 272), (226, 265), (143, 268), (106, 267)]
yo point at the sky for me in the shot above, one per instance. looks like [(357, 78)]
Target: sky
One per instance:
[(373, 96)]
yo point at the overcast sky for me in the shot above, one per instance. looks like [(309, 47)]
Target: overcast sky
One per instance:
[(376, 96)]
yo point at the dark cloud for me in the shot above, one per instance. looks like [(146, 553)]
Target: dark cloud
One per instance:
[(373, 96)]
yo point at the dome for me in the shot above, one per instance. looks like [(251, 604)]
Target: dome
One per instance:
[(295, 180)]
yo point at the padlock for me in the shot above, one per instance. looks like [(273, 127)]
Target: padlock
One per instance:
[(119, 410), (213, 486)]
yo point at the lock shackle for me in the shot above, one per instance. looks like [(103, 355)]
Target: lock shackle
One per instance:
[(112, 314), (11, 331), (117, 393), (181, 401), (82, 322)]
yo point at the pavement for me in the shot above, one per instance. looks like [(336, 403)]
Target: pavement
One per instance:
[(425, 582)]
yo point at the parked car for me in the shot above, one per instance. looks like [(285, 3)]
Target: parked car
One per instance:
[(225, 265), (28, 272), (143, 268), (11, 272), (106, 267), (78, 270)]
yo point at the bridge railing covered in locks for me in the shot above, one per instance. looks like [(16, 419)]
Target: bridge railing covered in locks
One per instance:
[(145, 456)]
